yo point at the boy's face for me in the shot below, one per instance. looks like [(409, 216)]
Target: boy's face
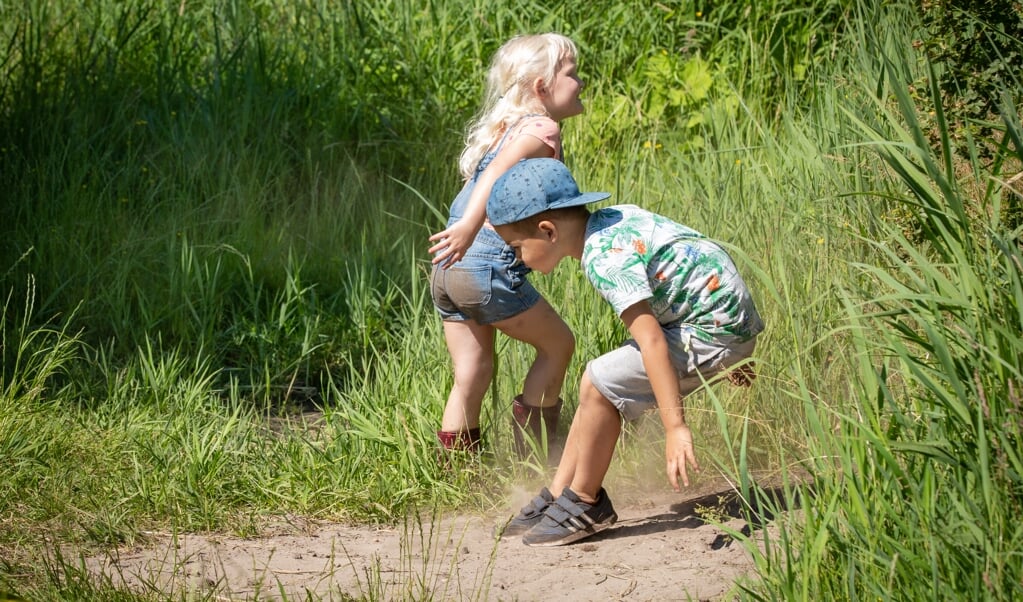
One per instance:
[(537, 250)]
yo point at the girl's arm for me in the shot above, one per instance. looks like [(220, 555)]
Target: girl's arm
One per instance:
[(456, 240), (678, 448)]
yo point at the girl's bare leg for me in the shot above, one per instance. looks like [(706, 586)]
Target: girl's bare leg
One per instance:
[(471, 346), (542, 328)]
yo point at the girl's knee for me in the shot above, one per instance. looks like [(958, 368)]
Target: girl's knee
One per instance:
[(563, 337), (570, 340), (557, 345), (474, 369), (556, 330), (564, 342)]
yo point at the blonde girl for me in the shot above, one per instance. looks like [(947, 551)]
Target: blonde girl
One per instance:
[(476, 283)]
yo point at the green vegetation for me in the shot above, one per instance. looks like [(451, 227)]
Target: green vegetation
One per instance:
[(213, 265)]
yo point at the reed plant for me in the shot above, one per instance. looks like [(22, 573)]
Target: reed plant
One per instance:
[(916, 482)]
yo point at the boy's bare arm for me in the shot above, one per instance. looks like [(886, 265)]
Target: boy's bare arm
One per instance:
[(679, 449)]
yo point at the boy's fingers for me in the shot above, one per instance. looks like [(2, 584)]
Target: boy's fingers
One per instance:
[(678, 468), (673, 475)]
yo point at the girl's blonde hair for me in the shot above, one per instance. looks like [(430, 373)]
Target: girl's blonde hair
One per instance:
[(509, 91)]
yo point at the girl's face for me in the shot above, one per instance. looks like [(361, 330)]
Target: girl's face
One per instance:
[(561, 99)]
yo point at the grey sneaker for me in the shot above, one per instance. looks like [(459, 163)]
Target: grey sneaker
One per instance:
[(528, 516), (570, 519)]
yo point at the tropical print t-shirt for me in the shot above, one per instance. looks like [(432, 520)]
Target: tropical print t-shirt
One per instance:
[(631, 255)]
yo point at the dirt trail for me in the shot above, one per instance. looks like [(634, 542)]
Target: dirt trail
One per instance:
[(660, 549)]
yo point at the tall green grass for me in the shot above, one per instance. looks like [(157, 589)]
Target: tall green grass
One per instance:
[(216, 307), (916, 483)]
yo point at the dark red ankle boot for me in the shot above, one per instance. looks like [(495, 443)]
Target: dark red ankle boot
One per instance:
[(469, 440)]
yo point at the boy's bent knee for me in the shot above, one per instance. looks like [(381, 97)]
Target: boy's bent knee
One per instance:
[(591, 396)]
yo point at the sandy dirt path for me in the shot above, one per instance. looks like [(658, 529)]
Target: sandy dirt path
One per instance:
[(660, 549)]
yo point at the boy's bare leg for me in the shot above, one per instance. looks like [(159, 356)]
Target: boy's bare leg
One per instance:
[(471, 346), (542, 328), (590, 445)]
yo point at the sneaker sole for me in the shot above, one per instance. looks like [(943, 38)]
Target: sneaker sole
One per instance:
[(574, 536)]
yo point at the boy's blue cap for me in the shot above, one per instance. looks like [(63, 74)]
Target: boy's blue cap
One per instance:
[(533, 186)]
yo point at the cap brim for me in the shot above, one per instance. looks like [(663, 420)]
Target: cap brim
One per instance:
[(583, 199)]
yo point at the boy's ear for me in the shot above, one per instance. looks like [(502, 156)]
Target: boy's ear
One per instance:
[(548, 230)]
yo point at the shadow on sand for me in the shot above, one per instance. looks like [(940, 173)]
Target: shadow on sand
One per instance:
[(762, 506)]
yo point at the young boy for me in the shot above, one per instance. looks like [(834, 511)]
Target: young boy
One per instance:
[(687, 310)]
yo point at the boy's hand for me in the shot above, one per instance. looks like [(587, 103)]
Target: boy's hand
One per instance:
[(454, 242), (679, 451), (743, 376)]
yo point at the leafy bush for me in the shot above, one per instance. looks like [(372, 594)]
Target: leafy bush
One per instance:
[(980, 46)]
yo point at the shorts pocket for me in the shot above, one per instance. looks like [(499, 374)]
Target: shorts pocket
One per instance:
[(468, 286)]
